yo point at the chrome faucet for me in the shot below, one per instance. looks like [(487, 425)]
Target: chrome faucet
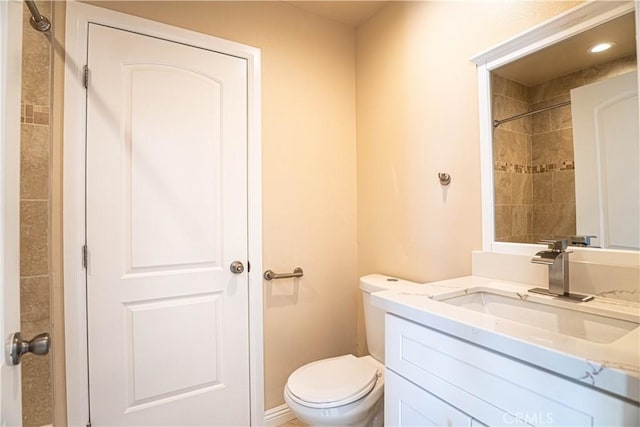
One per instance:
[(557, 258), (584, 241)]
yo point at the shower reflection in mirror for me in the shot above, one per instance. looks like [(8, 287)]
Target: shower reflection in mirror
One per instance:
[(566, 141)]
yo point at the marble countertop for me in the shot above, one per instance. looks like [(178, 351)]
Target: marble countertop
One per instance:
[(614, 367)]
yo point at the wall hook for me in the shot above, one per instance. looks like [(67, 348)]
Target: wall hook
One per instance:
[(445, 178)]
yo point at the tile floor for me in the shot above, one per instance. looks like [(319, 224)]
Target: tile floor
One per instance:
[(293, 423)]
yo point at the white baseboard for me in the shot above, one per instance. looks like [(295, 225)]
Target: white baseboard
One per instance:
[(279, 415)]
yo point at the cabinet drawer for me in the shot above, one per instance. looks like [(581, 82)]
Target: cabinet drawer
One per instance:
[(475, 380), (406, 404)]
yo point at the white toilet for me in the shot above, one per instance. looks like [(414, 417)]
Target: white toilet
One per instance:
[(346, 390)]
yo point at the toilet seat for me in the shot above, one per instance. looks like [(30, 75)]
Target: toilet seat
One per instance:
[(332, 382)]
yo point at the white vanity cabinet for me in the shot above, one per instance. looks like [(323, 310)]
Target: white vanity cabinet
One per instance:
[(437, 379), (409, 405)]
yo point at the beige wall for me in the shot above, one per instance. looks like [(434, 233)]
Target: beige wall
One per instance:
[(417, 116), (309, 170)]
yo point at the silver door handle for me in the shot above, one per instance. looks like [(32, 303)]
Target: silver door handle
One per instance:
[(236, 267), (39, 346)]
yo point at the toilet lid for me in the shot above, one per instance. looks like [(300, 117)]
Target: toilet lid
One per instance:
[(332, 382)]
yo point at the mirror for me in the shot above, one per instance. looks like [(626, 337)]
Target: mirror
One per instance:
[(565, 141)]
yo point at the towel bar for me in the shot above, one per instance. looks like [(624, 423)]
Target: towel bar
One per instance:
[(270, 275)]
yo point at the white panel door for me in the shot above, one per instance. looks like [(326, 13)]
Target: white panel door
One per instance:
[(607, 154), (166, 216)]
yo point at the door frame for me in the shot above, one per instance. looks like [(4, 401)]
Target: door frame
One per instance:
[(79, 15)]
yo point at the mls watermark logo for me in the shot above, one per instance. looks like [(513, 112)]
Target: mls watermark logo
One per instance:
[(528, 418)]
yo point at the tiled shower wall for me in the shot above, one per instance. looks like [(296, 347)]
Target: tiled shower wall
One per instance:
[(535, 196), (37, 397), (552, 161), (512, 160)]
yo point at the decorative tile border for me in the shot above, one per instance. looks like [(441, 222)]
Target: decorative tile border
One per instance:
[(34, 114), (533, 169), (553, 167)]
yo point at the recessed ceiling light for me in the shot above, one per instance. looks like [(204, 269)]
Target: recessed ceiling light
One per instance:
[(601, 47)]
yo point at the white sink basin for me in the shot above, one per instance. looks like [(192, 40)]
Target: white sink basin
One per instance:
[(551, 314)]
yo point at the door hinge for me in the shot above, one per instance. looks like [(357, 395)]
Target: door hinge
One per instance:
[(85, 256), (85, 76)]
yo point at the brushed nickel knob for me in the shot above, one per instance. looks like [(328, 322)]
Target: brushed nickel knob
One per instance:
[(236, 267), (39, 346)]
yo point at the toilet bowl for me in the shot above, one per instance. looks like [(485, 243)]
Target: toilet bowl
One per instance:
[(346, 390)]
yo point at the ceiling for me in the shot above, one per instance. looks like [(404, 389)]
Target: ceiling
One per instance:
[(352, 13), (572, 54)]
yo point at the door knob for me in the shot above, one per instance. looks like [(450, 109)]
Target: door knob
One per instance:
[(39, 346), (237, 267)]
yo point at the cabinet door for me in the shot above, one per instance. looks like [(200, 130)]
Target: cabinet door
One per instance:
[(409, 405), (495, 389)]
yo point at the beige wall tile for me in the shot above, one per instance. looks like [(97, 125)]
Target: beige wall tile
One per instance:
[(37, 394), (542, 185), (505, 107), (40, 118), (508, 88), (35, 60), (558, 86), (551, 101), (540, 123), (552, 147), (538, 93), (517, 91), (502, 182), (560, 118), (34, 162), (563, 184), (542, 219), (503, 221), (498, 85), (34, 299), (522, 125), (521, 220), (554, 220), (521, 188), (34, 229), (610, 69), (501, 108), (510, 147), (37, 397), (565, 219)]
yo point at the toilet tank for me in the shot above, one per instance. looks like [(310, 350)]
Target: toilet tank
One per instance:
[(373, 316)]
